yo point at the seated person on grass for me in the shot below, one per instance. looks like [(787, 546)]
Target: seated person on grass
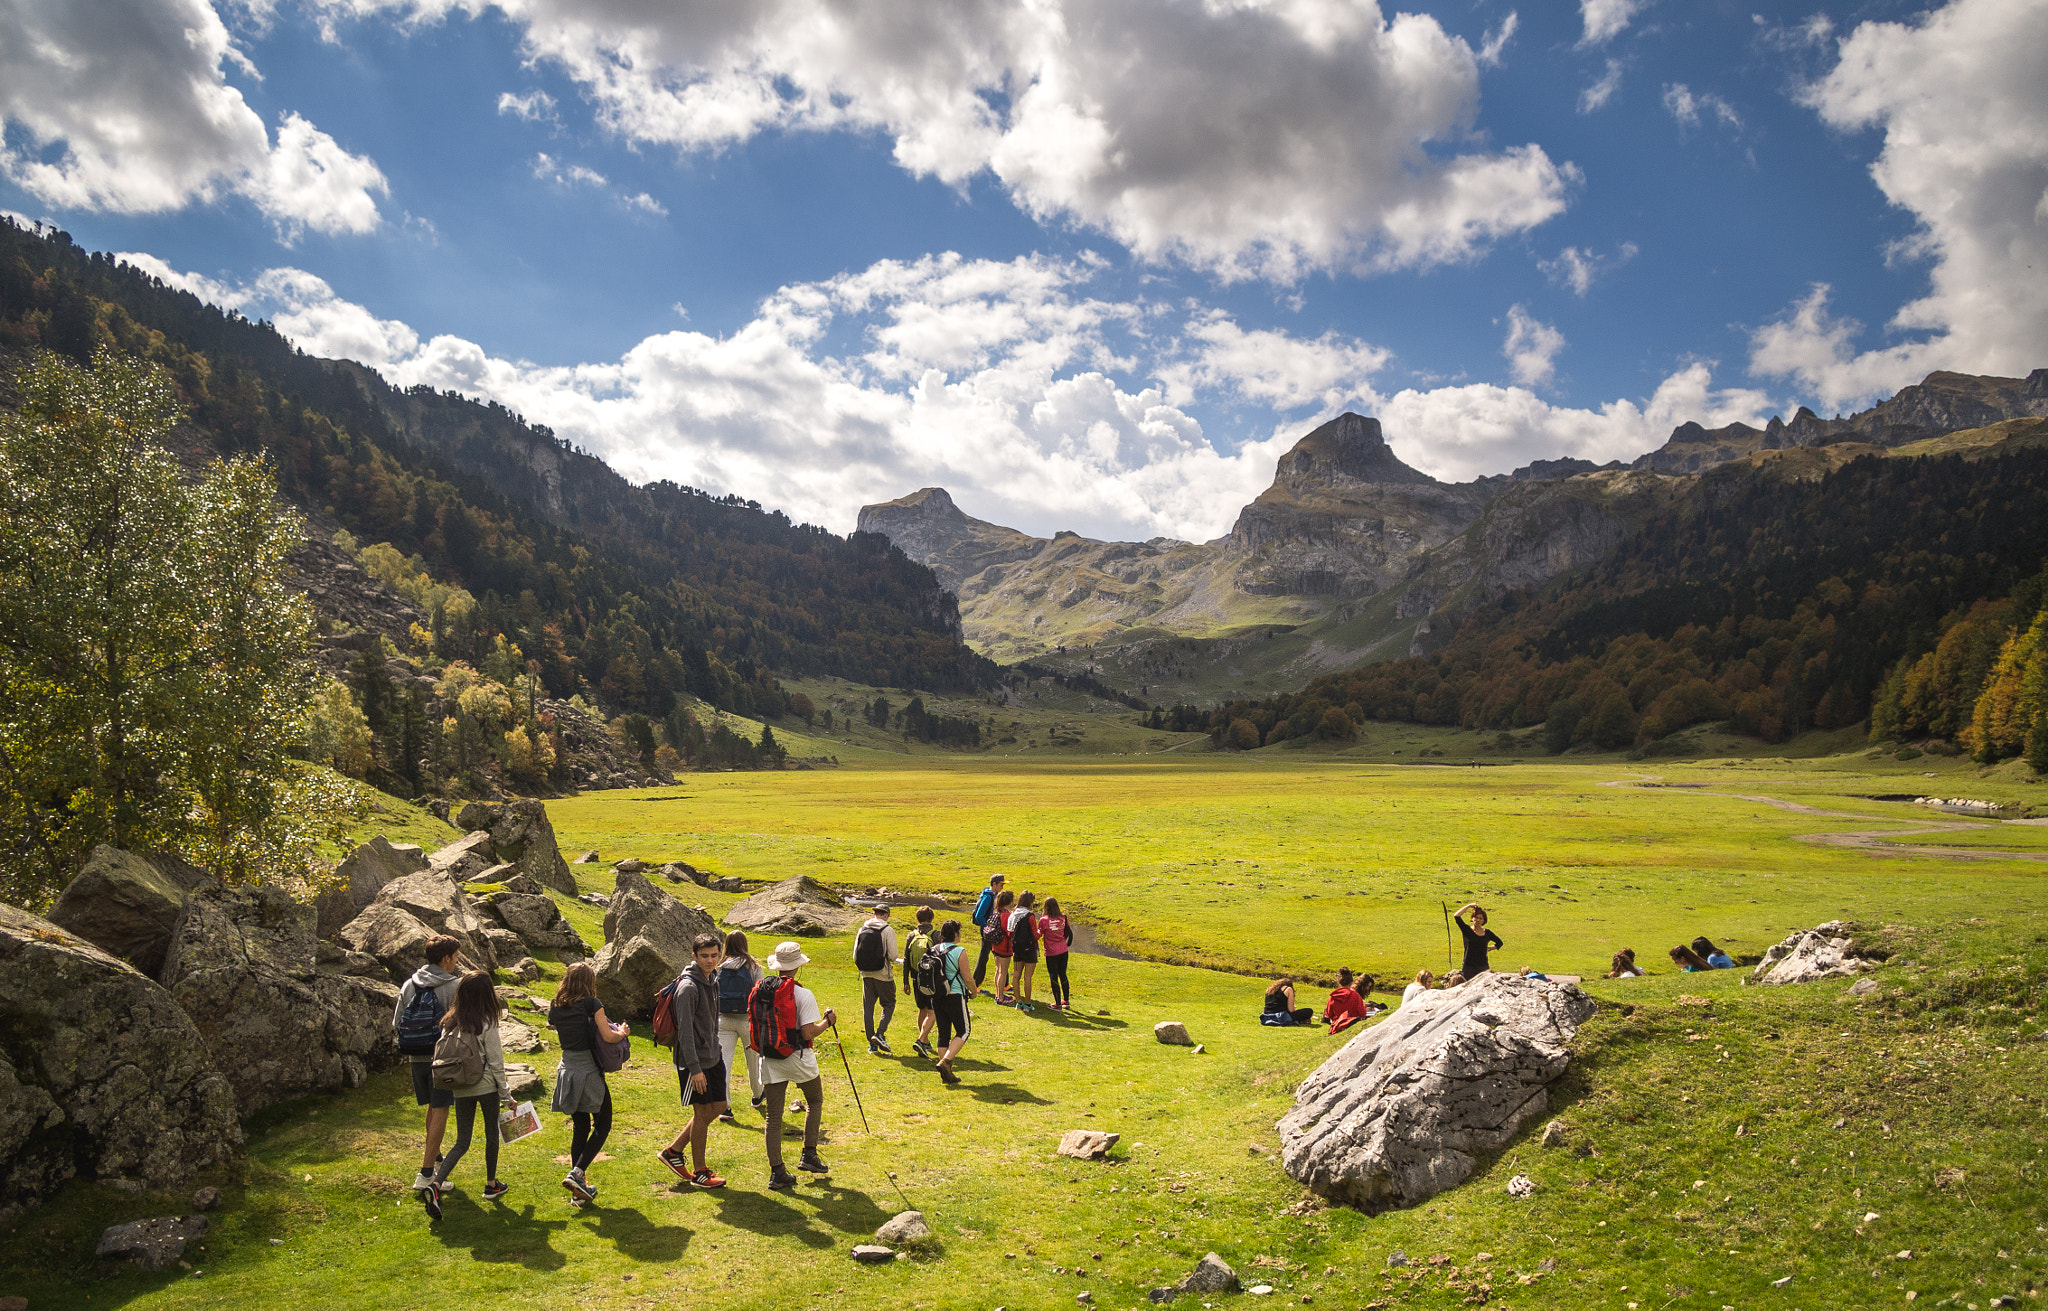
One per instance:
[(1345, 1007), (1624, 965), (1280, 1011), (1424, 981)]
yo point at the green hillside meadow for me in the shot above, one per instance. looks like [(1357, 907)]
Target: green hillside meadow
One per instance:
[(1724, 1147)]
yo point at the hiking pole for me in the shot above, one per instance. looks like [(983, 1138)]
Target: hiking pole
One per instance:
[(1447, 933), (849, 1076)]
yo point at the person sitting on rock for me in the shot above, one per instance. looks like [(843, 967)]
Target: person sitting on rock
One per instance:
[(1688, 960), (1704, 948), (1424, 981), (1624, 965), (1280, 1011), (1345, 1007), (1477, 937)]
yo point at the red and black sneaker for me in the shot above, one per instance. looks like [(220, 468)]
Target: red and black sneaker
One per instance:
[(677, 1163), (706, 1179)]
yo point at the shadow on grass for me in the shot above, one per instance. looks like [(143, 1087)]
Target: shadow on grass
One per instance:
[(634, 1236), (770, 1216), (500, 1235), (1004, 1094)]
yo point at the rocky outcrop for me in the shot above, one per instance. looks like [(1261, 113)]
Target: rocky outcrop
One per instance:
[(647, 943), (536, 920), (928, 527), (100, 1071), (361, 876), (438, 903), (244, 965), (522, 836), (1822, 952), (127, 904), (1400, 1113), (408, 912), (464, 859), (799, 906)]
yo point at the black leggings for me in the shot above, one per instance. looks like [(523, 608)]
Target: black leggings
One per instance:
[(465, 1120), (588, 1130), (1056, 971)]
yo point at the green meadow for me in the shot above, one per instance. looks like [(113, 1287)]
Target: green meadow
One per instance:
[(1717, 1139)]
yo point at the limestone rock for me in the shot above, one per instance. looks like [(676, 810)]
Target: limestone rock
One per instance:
[(435, 901), (1822, 952), (1521, 1186), (729, 883), (206, 1199), (243, 966), (1554, 1134), (396, 940), (523, 1081), (647, 943), (1397, 1115), (153, 1244), (99, 1070), (1210, 1275), (906, 1229), (126, 903), (521, 833), (587, 858), (1163, 1294), (630, 866), (537, 920), (363, 875), (333, 958), (524, 886), (872, 1254), (1087, 1144), (514, 1036), (526, 969), (465, 858), (1863, 987), (799, 906), (1173, 1033)]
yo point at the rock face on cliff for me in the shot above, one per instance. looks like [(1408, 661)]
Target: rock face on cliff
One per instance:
[(929, 528), (523, 837), (99, 1070), (1400, 1112), (647, 943)]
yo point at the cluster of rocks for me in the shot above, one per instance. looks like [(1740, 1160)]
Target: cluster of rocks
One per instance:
[(680, 871), (1822, 952), (797, 907)]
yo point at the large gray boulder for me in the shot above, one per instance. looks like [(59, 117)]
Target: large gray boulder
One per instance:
[(127, 903), (393, 938), (244, 965), (1822, 952), (647, 943), (799, 906), (361, 876), (1400, 1113), (523, 836), (99, 1070), (438, 903), (537, 921), (464, 859)]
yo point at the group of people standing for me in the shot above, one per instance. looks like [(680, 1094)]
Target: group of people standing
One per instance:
[(1015, 934)]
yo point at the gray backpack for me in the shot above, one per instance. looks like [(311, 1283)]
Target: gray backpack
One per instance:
[(458, 1059)]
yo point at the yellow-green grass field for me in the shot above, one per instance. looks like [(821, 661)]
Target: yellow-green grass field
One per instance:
[(1718, 1138)]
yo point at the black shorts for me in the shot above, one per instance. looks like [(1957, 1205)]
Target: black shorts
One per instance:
[(953, 1017), (1026, 957), (714, 1086), (924, 999), (423, 1088)]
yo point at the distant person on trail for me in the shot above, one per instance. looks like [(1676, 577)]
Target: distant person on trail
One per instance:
[(1023, 927), (1688, 960), (1712, 955), (425, 998), (1054, 933), (737, 975), (949, 999), (783, 1024), (984, 910), (914, 947), (1345, 1007), (1280, 1011), (1424, 980), (701, 1070), (995, 935), (1624, 965), (581, 1092), (474, 1017), (874, 955), (1476, 939)]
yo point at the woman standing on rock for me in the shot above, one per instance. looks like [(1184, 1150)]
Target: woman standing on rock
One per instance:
[(581, 1092), (475, 1013), (1477, 938)]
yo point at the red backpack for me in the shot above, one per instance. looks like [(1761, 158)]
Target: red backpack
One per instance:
[(665, 1013), (772, 1028)]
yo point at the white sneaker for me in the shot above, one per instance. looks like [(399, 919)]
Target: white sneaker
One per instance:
[(423, 1182)]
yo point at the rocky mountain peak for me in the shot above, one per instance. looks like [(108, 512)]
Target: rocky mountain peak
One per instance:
[(1349, 447), (927, 503)]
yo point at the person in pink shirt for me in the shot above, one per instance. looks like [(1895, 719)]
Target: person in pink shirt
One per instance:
[(1054, 933)]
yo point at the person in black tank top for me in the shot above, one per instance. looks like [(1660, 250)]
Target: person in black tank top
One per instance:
[(1477, 940)]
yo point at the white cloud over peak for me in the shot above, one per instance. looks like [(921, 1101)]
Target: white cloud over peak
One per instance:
[(1964, 111), (1247, 137), (1607, 18), (1531, 348), (125, 108), (1272, 368)]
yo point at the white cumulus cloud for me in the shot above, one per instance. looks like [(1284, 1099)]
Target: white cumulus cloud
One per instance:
[(1531, 348), (1959, 97), (1690, 108), (122, 106), (1607, 18), (1602, 89), (1578, 268)]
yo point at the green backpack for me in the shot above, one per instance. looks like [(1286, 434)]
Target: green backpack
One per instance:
[(914, 948)]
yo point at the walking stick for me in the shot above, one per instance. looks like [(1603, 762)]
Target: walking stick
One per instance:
[(849, 1076), (1447, 934)]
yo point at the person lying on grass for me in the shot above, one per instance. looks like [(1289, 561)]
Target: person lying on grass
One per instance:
[(1477, 937), (1624, 965), (1712, 955), (1531, 972), (1688, 960), (1345, 1007), (1280, 1011)]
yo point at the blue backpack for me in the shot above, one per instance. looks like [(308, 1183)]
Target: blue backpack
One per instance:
[(419, 1024), (733, 986)]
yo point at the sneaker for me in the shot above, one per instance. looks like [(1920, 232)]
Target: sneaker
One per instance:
[(1005, 1001), (782, 1180), (431, 1196), (422, 1181), (579, 1190), (1025, 1006), (706, 1179), (946, 1075), (812, 1162), (676, 1163), (878, 1041), (874, 1047), (922, 1048), (760, 1103), (725, 1116), (496, 1189)]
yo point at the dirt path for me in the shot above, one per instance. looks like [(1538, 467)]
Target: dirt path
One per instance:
[(1868, 841)]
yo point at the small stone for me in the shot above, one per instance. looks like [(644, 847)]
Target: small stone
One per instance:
[(1780, 1283), (1087, 1144), (1259, 1290), (1084, 1297), (156, 1244), (906, 1229), (587, 858), (1553, 1134), (1397, 1258), (1173, 1033), (872, 1254), (277, 1242), (1210, 1275), (1482, 1258), (1255, 1149), (1868, 1216), (1863, 988), (1198, 1049), (206, 1199), (1521, 1186), (1842, 1124), (1163, 1294)]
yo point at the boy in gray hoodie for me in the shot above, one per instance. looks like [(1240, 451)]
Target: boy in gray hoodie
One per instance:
[(438, 974), (700, 1068)]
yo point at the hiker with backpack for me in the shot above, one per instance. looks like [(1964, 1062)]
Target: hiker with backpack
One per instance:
[(737, 975), (422, 1001), (700, 1069), (914, 947), (874, 955), (995, 935), (984, 910), (469, 1062), (783, 1021), (940, 974), (1023, 926), (1057, 937), (581, 1092)]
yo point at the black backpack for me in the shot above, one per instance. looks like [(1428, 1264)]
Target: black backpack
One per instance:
[(419, 1024), (735, 981), (931, 971), (868, 952)]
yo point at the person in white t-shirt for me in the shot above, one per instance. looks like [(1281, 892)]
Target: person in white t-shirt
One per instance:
[(1423, 981), (800, 1067)]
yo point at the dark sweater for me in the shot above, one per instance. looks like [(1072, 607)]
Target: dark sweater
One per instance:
[(695, 1007)]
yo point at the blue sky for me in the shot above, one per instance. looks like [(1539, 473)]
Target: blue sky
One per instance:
[(1091, 264)]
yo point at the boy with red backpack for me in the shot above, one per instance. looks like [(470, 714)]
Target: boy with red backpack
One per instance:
[(700, 1067), (783, 1020)]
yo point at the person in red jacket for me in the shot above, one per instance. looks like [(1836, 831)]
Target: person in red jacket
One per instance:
[(1345, 1007)]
